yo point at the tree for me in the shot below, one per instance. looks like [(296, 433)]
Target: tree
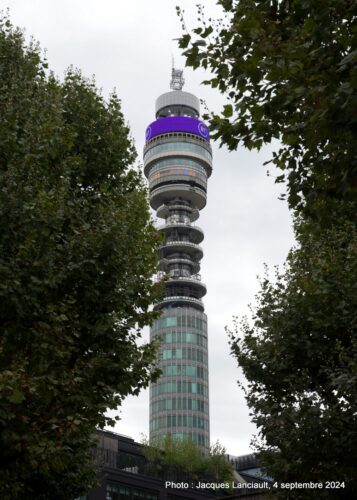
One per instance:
[(218, 468), (288, 70), (77, 252), (182, 460), (299, 357)]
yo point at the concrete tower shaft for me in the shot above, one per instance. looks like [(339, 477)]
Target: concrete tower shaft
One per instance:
[(177, 163)]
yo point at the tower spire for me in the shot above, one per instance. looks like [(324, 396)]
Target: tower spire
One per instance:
[(177, 79)]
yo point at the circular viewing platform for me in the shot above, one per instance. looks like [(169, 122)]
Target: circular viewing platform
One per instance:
[(170, 247), (164, 211), (195, 233), (198, 288), (164, 194), (180, 301)]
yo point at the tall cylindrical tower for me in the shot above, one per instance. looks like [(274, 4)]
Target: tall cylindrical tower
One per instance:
[(177, 163)]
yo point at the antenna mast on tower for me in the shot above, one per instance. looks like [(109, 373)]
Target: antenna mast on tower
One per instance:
[(177, 79)]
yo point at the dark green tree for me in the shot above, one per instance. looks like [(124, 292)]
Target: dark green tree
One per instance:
[(299, 357), (182, 460), (288, 70), (77, 252)]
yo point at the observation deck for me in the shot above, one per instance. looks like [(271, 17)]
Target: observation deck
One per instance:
[(195, 233)]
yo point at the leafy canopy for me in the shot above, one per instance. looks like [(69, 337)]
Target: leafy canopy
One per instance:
[(182, 460), (288, 70), (299, 357), (77, 252)]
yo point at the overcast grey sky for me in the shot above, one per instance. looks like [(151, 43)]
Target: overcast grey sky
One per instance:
[(128, 44)]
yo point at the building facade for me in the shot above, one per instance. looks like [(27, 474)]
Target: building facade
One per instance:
[(123, 475), (177, 163)]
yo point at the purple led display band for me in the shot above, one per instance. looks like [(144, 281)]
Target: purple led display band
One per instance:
[(177, 124)]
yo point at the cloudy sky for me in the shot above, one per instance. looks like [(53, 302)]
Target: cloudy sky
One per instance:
[(128, 44)]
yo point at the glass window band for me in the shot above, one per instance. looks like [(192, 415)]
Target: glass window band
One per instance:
[(179, 403), (177, 146), (178, 386)]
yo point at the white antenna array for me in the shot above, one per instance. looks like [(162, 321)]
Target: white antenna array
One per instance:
[(177, 79)]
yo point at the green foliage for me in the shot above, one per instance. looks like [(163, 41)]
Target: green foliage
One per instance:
[(288, 69), (77, 252), (299, 357), (182, 460), (217, 467)]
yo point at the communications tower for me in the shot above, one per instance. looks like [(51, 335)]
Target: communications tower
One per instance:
[(177, 163)]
